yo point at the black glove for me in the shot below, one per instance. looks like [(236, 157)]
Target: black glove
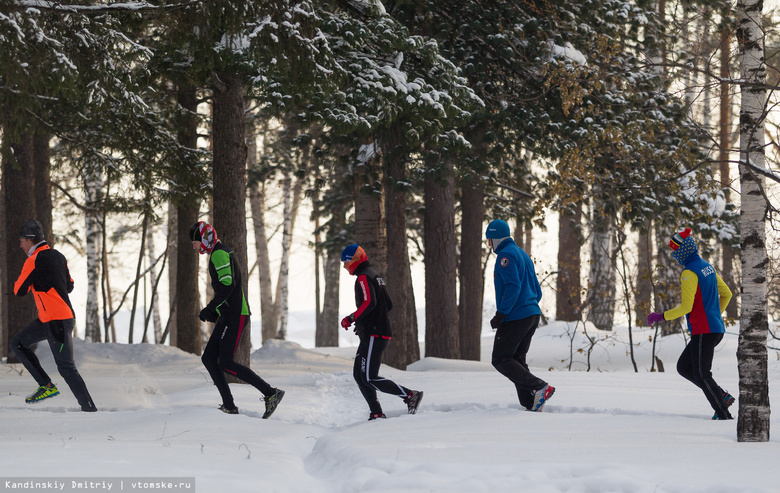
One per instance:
[(208, 315), (495, 322)]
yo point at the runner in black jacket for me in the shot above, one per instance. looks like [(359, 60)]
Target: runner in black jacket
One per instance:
[(373, 328)]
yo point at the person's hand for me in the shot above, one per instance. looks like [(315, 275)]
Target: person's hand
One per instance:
[(347, 321), (655, 317), (208, 315), (495, 322)]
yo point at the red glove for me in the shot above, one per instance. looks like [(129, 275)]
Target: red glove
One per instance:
[(347, 321), (655, 317)]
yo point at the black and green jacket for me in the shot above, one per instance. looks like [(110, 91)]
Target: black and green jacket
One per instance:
[(229, 299)]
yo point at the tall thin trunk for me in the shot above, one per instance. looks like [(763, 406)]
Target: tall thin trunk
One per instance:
[(471, 276), (230, 181), (666, 291), (568, 303), (151, 257), (284, 274), (405, 348), (727, 269), (138, 281), (42, 194), (753, 422), (267, 306), (601, 279), (93, 185), (644, 274), (173, 252), (441, 308)]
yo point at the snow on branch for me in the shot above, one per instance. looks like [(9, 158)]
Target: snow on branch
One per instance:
[(97, 8)]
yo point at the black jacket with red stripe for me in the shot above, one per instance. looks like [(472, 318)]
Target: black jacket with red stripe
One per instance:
[(372, 303), (46, 274)]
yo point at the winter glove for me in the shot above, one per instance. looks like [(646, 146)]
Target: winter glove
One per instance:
[(208, 315), (495, 322), (655, 317), (347, 321)]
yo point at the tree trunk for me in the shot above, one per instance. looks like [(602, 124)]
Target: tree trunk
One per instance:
[(18, 188), (173, 252), (727, 269), (267, 305), (42, 193), (471, 276), (404, 348), (328, 322), (601, 280), (568, 304), (151, 257), (92, 186), (667, 292), (370, 230), (644, 275), (753, 421), (230, 154), (185, 304), (284, 268), (442, 339)]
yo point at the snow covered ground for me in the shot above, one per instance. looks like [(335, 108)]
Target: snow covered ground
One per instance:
[(607, 430)]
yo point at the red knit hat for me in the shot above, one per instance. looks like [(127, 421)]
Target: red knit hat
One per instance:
[(679, 238)]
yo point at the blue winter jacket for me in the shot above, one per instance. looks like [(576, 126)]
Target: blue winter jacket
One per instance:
[(517, 290)]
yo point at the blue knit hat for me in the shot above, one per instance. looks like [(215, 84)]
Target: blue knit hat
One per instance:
[(497, 228), (683, 246), (353, 256)]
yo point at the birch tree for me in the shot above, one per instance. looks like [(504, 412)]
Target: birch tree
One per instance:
[(753, 420), (92, 186)]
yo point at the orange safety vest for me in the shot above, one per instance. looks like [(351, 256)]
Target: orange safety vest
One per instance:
[(49, 280)]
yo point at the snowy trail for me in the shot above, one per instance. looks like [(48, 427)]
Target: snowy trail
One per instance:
[(609, 431)]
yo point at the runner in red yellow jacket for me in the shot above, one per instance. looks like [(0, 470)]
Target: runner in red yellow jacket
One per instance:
[(704, 297), (45, 274)]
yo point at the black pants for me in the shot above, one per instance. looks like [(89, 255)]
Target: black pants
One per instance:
[(695, 364), (509, 350), (59, 334), (218, 358), (366, 373)]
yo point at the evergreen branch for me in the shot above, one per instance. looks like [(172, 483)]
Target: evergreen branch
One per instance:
[(99, 8)]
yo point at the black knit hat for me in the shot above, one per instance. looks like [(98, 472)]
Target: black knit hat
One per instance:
[(32, 230)]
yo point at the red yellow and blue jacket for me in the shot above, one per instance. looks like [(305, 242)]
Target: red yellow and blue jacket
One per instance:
[(704, 297), (46, 274)]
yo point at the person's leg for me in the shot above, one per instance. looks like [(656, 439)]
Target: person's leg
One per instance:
[(704, 351), (685, 364), (376, 346), (210, 359), (32, 333), (228, 345), (360, 373), (509, 342), (526, 398), (60, 337)]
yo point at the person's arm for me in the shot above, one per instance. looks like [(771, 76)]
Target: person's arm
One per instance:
[(508, 273), (222, 263), (369, 298), (26, 278), (724, 293), (689, 284)]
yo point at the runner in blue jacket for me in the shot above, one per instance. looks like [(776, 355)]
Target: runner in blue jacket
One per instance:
[(517, 315)]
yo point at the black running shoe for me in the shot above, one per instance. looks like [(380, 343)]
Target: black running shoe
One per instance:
[(413, 401), (272, 401), (377, 416), (228, 410)]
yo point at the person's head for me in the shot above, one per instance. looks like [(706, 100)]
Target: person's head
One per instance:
[(497, 231), (203, 237), (353, 256), (30, 235), (683, 246)]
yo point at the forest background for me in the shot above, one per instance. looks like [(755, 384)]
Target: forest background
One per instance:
[(404, 127)]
